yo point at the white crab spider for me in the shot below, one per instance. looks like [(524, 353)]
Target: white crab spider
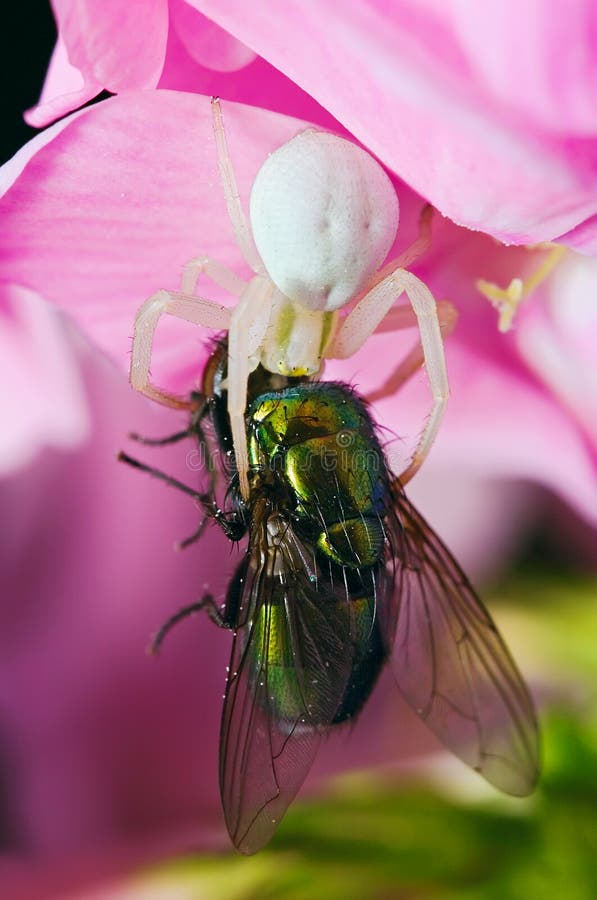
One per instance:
[(323, 217)]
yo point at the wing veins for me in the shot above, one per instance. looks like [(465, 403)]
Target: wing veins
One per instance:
[(475, 680)]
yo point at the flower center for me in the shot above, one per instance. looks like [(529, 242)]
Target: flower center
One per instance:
[(507, 300)]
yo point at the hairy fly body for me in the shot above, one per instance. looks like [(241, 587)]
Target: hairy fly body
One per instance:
[(340, 575)]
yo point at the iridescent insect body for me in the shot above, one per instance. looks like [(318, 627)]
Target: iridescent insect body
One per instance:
[(340, 575)]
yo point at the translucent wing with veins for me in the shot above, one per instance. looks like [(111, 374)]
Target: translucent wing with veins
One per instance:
[(450, 661)]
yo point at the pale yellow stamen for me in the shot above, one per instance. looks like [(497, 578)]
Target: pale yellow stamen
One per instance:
[(507, 300)]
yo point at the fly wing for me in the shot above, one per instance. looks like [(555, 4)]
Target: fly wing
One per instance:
[(450, 662), (290, 664)]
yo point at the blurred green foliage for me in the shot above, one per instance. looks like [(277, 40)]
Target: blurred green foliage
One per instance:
[(370, 838)]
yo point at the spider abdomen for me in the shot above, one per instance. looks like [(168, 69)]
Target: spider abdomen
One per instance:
[(324, 216)]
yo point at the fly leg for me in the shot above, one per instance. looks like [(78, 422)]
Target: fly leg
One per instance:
[(206, 603), (194, 430), (161, 442), (231, 523), (182, 545)]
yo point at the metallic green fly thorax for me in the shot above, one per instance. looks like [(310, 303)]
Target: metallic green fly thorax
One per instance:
[(320, 439)]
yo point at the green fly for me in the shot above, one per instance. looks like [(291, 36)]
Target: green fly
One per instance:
[(340, 575)]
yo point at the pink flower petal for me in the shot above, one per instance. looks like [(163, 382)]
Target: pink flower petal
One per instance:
[(110, 45), (536, 59), (42, 402), (584, 237), (480, 162), (121, 45), (64, 89), (557, 339), (206, 42), (117, 198), (518, 433), (199, 57), (459, 92), (103, 743), (257, 84)]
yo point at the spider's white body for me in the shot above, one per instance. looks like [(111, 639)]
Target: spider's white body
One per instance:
[(324, 216)]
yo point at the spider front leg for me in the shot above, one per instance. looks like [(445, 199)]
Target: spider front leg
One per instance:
[(175, 303), (404, 317), (240, 226), (369, 313), (248, 325)]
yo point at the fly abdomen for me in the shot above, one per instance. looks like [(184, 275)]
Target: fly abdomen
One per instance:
[(369, 656), (287, 676), (290, 688)]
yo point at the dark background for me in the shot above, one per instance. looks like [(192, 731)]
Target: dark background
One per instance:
[(29, 38)]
